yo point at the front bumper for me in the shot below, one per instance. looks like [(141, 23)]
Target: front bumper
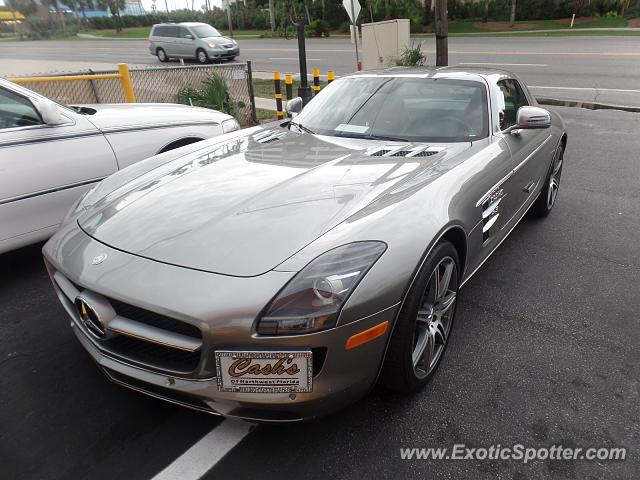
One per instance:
[(223, 52), (340, 376)]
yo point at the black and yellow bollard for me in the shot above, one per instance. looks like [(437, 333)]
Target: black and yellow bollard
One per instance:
[(288, 84), (278, 95), (316, 81), (330, 76)]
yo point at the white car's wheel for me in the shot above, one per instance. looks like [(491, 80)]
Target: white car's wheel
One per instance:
[(162, 55)]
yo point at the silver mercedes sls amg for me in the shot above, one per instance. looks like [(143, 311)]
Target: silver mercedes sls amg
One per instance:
[(277, 273)]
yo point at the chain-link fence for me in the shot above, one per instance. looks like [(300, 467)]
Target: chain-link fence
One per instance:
[(154, 84)]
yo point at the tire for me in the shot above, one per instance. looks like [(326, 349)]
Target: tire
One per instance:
[(425, 320), (549, 193), (162, 55), (201, 56)]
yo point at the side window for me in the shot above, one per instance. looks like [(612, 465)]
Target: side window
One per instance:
[(184, 32), (17, 111), (172, 31), (513, 98)]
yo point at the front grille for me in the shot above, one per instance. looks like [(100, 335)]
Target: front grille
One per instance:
[(425, 153), (380, 153), (154, 319), (145, 352), (150, 354)]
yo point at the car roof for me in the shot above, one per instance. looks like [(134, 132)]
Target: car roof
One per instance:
[(185, 24), (466, 73)]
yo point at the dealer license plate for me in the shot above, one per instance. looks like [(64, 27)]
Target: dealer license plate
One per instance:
[(264, 372)]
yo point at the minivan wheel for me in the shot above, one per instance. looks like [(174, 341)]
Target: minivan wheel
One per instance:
[(424, 324), (162, 55), (202, 56)]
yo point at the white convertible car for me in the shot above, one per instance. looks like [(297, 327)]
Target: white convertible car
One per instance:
[(50, 154)]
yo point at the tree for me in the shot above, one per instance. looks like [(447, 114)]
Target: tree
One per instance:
[(512, 17), (114, 6), (9, 5), (485, 11), (272, 15)]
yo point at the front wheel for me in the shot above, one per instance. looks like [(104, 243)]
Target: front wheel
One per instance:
[(424, 324), (547, 199), (202, 56), (162, 55)]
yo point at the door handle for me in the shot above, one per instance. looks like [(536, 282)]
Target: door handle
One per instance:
[(529, 187)]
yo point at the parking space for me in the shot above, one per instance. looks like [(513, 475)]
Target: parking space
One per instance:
[(544, 351)]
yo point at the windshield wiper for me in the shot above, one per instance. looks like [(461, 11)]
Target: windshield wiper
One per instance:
[(302, 127), (376, 137)]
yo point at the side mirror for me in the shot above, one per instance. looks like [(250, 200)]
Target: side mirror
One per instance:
[(49, 111), (533, 117), (294, 106), (189, 36)]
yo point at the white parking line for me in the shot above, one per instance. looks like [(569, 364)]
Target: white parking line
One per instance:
[(208, 451), (506, 64)]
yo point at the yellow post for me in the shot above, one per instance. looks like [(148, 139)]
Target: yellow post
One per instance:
[(127, 85), (330, 76)]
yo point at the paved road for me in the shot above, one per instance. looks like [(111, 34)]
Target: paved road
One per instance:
[(544, 351), (599, 68)]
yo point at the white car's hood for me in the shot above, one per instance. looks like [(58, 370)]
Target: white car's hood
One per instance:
[(108, 116)]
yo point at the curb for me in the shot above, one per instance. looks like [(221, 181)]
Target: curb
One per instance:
[(588, 105)]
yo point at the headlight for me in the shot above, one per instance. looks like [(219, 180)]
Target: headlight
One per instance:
[(312, 300), (234, 42), (230, 125), (212, 45)]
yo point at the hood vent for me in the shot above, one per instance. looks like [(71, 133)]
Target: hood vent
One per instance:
[(269, 136), (404, 151)]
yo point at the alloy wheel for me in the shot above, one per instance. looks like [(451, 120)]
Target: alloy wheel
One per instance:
[(554, 179), (434, 319)]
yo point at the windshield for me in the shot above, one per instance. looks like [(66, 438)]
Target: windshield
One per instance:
[(399, 108), (205, 31)]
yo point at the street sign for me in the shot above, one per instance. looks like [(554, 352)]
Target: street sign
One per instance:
[(353, 9)]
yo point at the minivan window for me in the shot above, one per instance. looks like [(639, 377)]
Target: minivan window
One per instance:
[(184, 32), (172, 32), (159, 31), (205, 31)]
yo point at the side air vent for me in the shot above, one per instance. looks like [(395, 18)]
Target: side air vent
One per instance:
[(401, 153), (269, 136)]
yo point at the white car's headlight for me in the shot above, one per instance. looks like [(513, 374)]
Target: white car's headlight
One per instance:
[(312, 300), (230, 125), (212, 45)]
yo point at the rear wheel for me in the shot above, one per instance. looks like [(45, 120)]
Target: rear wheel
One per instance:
[(162, 55), (547, 199), (424, 324), (201, 56)]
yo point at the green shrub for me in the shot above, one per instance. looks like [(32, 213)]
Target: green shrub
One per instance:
[(318, 28), (411, 56), (213, 94)]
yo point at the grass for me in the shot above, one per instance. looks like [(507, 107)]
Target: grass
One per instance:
[(143, 32), (264, 115), (475, 26), (266, 89)]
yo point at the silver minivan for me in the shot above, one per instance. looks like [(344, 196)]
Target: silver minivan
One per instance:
[(191, 40)]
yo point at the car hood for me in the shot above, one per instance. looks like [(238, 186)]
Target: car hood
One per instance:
[(244, 206), (217, 40), (131, 115)]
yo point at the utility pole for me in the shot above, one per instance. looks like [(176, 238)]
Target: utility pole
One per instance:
[(304, 91), (442, 34)]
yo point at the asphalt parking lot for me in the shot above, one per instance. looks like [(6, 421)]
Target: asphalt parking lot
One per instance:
[(544, 351)]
